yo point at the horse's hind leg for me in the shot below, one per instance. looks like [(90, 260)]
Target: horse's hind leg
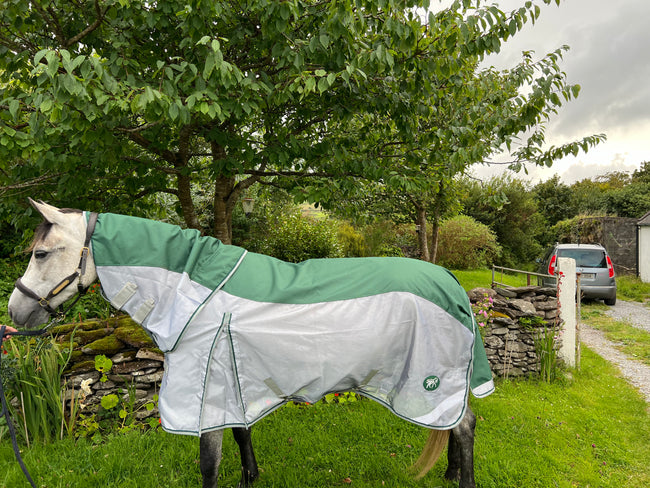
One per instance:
[(249, 471), (210, 457), (460, 452), (453, 459)]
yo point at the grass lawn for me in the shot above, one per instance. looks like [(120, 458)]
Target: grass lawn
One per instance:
[(588, 431), (482, 278)]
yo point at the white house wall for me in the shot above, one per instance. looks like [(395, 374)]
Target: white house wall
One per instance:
[(644, 253)]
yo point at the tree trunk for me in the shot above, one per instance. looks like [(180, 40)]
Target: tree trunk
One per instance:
[(224, 187), (184, 181), (421, 222), (187, 204), (435, 225)]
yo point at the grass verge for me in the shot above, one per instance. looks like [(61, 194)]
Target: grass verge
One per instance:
[(632, 289), (589, 431)]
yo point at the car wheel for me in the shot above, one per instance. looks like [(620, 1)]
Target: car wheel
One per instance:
[(610, 301)]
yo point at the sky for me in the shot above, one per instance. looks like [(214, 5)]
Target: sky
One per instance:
[(609, 58)]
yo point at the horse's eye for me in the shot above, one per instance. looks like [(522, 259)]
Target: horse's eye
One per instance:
[(40, 254)]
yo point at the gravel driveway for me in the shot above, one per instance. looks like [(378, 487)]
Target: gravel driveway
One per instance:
[(637, 314), (637, 373)]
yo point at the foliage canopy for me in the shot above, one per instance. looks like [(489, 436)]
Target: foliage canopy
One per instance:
[(135, 99)]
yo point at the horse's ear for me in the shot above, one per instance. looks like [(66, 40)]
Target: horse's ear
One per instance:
[(50, 214)]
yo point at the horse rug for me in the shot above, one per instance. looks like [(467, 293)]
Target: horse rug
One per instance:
[(244, 333)]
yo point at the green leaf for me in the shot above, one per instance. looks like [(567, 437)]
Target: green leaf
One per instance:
[(310, 84), (109, 401), (14, 107), (174, 111), (102, 363), (512, 27), (324, 40), (46, 105), (323, 85)]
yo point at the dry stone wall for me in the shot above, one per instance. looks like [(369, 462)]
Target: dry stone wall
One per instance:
[(137, 364), (518, 316)]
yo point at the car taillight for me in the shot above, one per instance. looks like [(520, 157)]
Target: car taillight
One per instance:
[(610, 267), (551, 265)]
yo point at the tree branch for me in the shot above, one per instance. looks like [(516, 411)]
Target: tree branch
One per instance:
[(90, 28)]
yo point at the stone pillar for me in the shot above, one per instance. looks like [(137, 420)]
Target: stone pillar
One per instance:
[(567, 303)]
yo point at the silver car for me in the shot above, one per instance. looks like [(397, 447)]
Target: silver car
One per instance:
[(596, 269)]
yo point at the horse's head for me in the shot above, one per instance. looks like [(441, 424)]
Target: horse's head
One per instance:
[(52, 276)]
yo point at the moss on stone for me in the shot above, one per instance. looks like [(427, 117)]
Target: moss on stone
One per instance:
[(132, 334), (83, 366), (76, 356), (108, 345), (88, 336), (68, 328)]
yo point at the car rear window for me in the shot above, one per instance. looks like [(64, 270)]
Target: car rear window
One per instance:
[(585, 258)]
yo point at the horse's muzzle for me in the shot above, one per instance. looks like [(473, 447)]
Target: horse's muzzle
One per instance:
[(25, 312)]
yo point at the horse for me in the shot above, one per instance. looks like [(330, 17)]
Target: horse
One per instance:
[(176, 283)]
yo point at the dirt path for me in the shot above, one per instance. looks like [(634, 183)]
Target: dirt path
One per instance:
[(637, 373)]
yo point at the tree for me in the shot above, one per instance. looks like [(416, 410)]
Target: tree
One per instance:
[(137, 98), (473, 113), (507, 206), (554, 200)]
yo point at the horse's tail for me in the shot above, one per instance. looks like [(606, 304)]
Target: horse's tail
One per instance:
[(432, 450)]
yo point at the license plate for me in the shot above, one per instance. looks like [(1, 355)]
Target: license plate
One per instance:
[(588, 276)]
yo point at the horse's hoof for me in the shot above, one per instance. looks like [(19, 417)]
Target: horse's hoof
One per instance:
[(248, 479), (452, 475)]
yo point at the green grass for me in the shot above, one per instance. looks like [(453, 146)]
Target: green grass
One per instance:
[(632, 289), (631, 341), (589, 431), (475, 278)]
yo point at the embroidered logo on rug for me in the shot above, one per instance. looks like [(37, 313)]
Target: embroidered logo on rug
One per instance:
[(431, 383)]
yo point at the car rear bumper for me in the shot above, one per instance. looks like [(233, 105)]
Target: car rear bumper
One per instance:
[(589, 291)]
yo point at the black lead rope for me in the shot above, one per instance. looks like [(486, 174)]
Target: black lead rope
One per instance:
[(3, 399)]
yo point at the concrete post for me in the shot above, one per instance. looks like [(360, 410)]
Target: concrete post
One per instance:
[(567, 302)]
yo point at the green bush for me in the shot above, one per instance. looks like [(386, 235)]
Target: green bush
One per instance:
[(385, 238), (295, 238), (352, 242), (464, 243)]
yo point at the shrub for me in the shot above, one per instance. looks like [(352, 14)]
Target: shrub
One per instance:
[(464, 243), (352, 242), (295, 238)]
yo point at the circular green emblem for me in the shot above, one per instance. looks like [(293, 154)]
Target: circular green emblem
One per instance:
[(431, 383)]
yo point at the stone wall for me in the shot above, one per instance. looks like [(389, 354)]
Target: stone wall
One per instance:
[(617, 234), (517, 318), (137, 363)]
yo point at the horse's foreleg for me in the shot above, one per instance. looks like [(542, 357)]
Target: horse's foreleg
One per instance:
[(461, 450), (210, 457), (249, 471)]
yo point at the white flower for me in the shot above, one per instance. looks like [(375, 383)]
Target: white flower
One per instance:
[(85, 386)]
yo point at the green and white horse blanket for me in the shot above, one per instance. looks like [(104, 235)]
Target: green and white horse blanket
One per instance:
[(244, 333)]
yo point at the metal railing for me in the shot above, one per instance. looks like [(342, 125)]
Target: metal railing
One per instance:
[(496, 269)]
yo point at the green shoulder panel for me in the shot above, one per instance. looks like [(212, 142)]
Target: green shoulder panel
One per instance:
[(121, 240)]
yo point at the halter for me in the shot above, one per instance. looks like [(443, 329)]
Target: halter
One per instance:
[(44, 302)]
